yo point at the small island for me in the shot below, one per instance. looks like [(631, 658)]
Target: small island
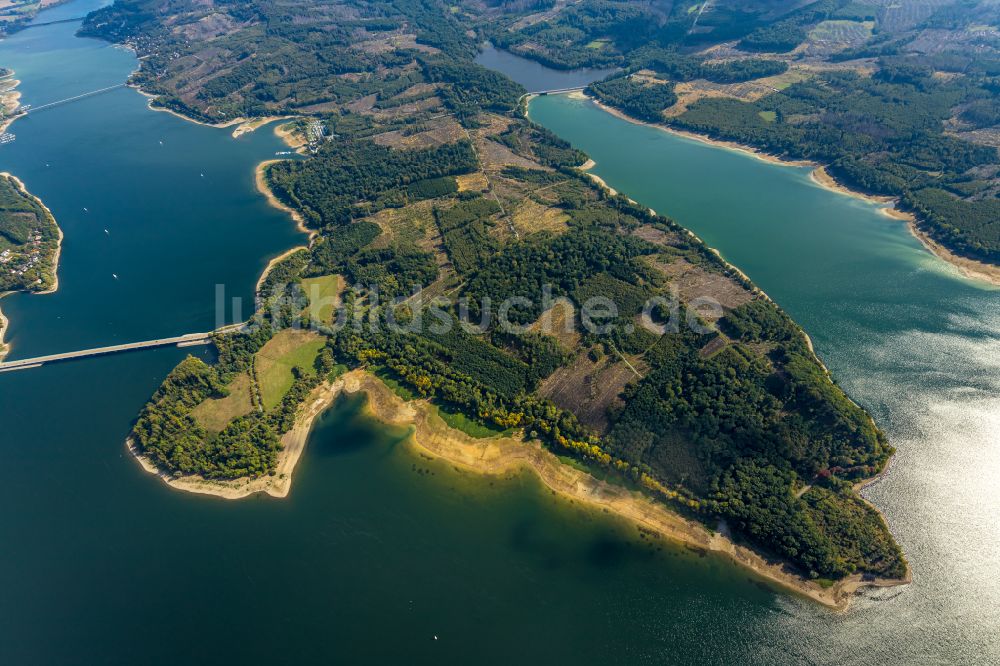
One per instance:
[(30, 241)]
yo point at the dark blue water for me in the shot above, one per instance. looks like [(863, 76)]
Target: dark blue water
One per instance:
[(167, 206)]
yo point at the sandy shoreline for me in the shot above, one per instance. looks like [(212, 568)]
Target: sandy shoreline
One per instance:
[(277, 485), (4, 321), (260, 178), (505, 454), (243, 125), (272, 263), (969, 268), (497, 456)]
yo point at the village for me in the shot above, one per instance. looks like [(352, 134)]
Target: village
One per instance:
[(20, 265), (29, 240)]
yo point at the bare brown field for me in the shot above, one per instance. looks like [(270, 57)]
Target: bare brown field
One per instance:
[(559, 321), (411, 225), (362, 104), (406, 110), (588, 388), (438, 133), (494, 157), (689, 92), (472, 182), (493, 124), (394, 41), (695, 282), (530, 217), (716, 345), (656, 236), (208, 27), (548, 15)]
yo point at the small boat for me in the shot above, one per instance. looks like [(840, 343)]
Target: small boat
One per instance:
[(107, 232), (114, 275), (85, 210)]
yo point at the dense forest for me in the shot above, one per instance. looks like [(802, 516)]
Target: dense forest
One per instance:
[(892, 101), (434, 178)]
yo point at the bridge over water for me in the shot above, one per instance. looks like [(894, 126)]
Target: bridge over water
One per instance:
[(187, 340), (57, 21), (556, 91), (41, 107)]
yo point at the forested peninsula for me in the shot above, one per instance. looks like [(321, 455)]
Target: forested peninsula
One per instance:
[(435, 179), (30, 241)]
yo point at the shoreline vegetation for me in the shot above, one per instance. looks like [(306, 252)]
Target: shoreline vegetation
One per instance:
[(276, 485), (53, 262), (968, 268), (260, 178), (499, 455), (13, 19), (243, 125), (531, 145)]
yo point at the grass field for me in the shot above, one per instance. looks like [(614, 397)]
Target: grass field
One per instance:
[(472, 427), (324, 296), (215, 413), (288, 349), (389, 378)]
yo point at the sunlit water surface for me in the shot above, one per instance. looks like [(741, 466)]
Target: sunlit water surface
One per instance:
[(378, 551)]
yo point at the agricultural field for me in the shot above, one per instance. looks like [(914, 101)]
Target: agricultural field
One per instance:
[(274, 363), (324, 296), (215, 414)]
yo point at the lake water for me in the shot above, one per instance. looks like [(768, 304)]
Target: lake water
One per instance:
[(534, 76), (377, 551), (902, 332)]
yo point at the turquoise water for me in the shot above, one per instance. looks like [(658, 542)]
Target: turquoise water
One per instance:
[(902, 332), (378, 550)]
